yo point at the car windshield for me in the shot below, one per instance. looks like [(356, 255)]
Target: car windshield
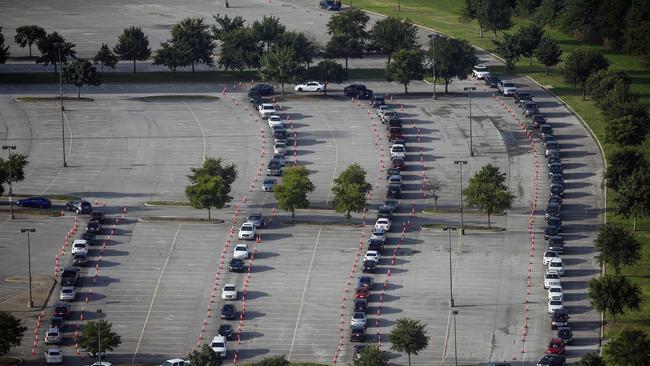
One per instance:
[(240, 249), (508, 85), (54, 353), (217, 344), (229, 288), (480, 68)]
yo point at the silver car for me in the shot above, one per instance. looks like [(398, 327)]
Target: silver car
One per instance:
[(358, 319), (53, 336), (68, 293), (256, 219)]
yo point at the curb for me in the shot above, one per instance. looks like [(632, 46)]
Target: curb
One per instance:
[(165, 219)]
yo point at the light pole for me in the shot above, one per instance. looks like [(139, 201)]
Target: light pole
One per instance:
[(30, 303), (99, 336), (460, 163), (65, 164), (433, 62), (469, 93), (455, 312), (449, 229), (11, 191)]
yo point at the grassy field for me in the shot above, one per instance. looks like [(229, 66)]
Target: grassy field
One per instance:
[(443, 16)]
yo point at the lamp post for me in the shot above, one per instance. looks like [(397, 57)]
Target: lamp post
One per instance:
[(30, 303), (449, 229), (455, 312), (469, 93), (460, 163), (433, 62), (99, 336), (65, 164), (11, 191)]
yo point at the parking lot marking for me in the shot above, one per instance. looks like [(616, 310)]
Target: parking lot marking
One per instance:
[(446, 343), (304, 290), (155, 291), (336, 148), (198, 122), (68, 156)]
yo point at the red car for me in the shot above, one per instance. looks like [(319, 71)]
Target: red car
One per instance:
[(362, 293), (398, 163), (395, 133), (62, 309), (555, 346)]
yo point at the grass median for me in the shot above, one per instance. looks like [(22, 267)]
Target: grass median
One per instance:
[(443, 16)]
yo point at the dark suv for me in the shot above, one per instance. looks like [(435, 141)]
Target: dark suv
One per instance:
[(69, 276), (330, 4), (377, 100), (353, 89), (79, 206)]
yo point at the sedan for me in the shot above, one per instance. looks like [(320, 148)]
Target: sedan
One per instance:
[(393, 204), (53, 355), (229, 292), (362, 293), (358, 319), (365, 281), (383, 224), (361, 305), (311, 86), (97, 215), (548, 256), (555, 346), (68, 293), (80, 260), (79, 246), (560, 318), (241, 251), (565, 334), (391, 171), (537, 120), (369, 266), (62, 309), (552, 360), (397, 151), (398, 164), (378, 234), (280, 148), (358, 334), (228, 312), (94, 226), (556, 265), (36, 202), (267, 185), (247, 231), (551, 231), (551, 278), (554, 305), (237, 265), (257, 219), (555, 293), (275, 121), (262, 89), (53, 336), (226, 331), (372, 255)]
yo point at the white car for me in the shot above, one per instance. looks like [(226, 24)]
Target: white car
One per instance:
[(240, 251), (382, 109), (311, 86), (555, 293), (280, 148), (548, 256), (68, 293), (556, 265), (480, 71), (551, 278), (358, 319), (219, 346), (397, 151), (383, 224), (378, 234), (247, 231), (53, 336), (229, 292), (267, 109), (507, 88), (372, 255), (53, 355), (554, 305), (175, 362), (275, 121), (102, 363), (80, 246)]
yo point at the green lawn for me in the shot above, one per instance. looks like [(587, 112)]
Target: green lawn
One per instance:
[(443, 15)]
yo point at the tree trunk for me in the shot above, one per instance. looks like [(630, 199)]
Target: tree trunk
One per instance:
[(56, 67), (78, 92), (494, 36), (389, 55), (446, 86), (30, 50), (435, 204), (546, 67), (209, 215), (398, 6), (489, 223), (102, 67), (325, 90), (293, 216), (584, 93), (134, 66), (192, 66), (634, 224), (480, 31), (406, 90), (346, 64), (282, 88), (409, 356)]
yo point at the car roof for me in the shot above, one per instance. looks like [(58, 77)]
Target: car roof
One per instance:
[(218, 338)]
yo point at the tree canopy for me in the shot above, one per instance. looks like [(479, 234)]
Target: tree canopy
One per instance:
[(409, 336), (225, 25), (81, 72), (173, 54), (329, 71), (4, 50), (581, 63), (617, 246), (28, 35), (18, 164), (105, 57), (530, 38), (454, 59), (372, 356), (344, 46), (495, 15), (291, 193), (351, 190), (280, 65), (591, 359), (193, 36), (12, 332), (210, 185), (269, 30), (133, 45), (50, 46), (89, 341), (239, 50), (627, 130), (487, 191), (351, 22), (304, 48), (633, 196), (548, 52), (510, 49), (205, 356), (407, 65), (622, 163), (391, 34), (613, 294), (631, 347)]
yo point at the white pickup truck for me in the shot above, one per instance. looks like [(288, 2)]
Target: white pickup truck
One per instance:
[(267, 109)]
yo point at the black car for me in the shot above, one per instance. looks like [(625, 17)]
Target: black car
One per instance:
[(89, 237), (392, 204), (361, 305), (554, 168), (399, 141), (556, 199), (565, 334), (377, 100), (261, 89), (546, 129), (391, 171), (225, 330), (538, 120), (551, 231), (560, 318), (98, 215), (526, 103), (552, 210), (491, 81), (557, 179), (353, 89), (79, 206), (274, 169), (398, 164), (237, 265), (529, 112), (521, 96), (57, 322), (547, 138), (554, 221), (552, 360), (228, 312), (80, 259), (369, 266), (384, 212), (553, 160), (94, 226), (375, 244), (366, 281), (557, 189), (358, 334), (394, 191), (364, 94), (556, 244), (330, 5), (69, 276)]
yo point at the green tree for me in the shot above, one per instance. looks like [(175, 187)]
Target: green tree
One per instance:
[(408, 336), (81, 72), (579, 18), (291, 193), (105, 57), (623, 163), (609, 88), (510, 49), (193, 35), (525, 8), (239, 50), (470, 12), (280, 66), (487, 191), (4, 50), (629, 130), (351, 190), (581, 63), (633, 196), (225, 25), (341, 45), (208, 192), (495, 15), (205, 356), (12, 332), (133, 45), (304, 48), (391, 34), (613, 294), (454, 59), (28, 35), (631, 347), (549, 11), (173, 54), (329, 71), (637, 40), (548, 52), (279, 360), (351, 22), (212, 167), (18, 164), (268, 30), (408, 65), (591, 359), (93, 330), (51, 47), (617, 247), (529, 38), (372, 356)]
